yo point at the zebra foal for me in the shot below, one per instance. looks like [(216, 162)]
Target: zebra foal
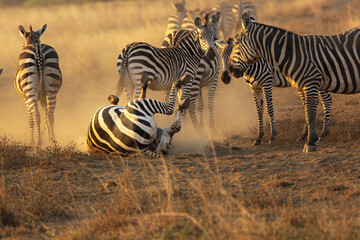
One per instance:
[(38, 78), (311, 63), (132, 128)]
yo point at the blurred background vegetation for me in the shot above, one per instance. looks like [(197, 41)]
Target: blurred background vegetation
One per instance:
[(29, 3)]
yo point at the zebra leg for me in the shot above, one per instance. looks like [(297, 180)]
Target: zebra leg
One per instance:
[(200, 108), (35, 115), (306, 128), (31, 124), (49, 117), (270, 110), (259, 102), (326, 102), (194, 94), (311, 100), (211, 95)]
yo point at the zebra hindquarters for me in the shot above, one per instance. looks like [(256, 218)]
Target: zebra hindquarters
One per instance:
[(52, 81)]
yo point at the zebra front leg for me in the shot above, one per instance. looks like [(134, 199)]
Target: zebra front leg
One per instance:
[(200, 108), (193, 96), (267, 90), (305, 129), (326, 102), (311, 100), (259, 102), (211, 95)]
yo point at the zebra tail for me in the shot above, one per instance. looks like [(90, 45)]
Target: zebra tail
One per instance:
[(121, 65), (40, 65)]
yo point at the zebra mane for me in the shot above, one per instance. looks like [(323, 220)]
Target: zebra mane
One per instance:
[(186, 35), (281, 29)]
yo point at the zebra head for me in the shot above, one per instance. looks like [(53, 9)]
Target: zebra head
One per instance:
[(32, 37), (244, 53), (180, 7), (208, 32)]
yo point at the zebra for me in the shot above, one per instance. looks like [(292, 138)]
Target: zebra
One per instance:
[(311, 63), (175, 20), (165, 65), (38, 78), (228, 19), (206, 75), (245, 7), (132, 128), (261, 78)]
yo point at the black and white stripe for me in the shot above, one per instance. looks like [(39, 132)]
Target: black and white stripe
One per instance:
[(175, 20), (38, 78), (261, 78), (206, 76), (228, 19), (165, 65), (311, 63), (132, 128)]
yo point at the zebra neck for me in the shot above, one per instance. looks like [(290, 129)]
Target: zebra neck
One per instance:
[(190, 44), (275, 45)]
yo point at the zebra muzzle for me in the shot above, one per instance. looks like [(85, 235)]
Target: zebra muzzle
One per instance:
[(226, 77)]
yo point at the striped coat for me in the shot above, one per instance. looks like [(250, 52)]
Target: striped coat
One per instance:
[(311, 63), (132, 128), (38, 78)]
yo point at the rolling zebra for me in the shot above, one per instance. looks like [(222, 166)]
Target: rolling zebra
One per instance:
[(38, 78), (132, 128), (165, 65), (175, 20), (311, 63), (206, 76)]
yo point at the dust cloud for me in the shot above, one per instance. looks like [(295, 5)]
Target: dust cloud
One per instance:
[(88, 47)]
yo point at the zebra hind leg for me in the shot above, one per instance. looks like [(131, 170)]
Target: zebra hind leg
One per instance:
[(306, 127), (311, 99), (326, 102), (267, 90)]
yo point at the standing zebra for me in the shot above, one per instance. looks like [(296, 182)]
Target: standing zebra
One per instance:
[(38, 78), (228, 19), (206, 76), (132, 128), (175, 20), (165, 65), (311, 63)]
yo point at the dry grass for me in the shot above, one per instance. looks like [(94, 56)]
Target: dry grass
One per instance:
[(225, 189)]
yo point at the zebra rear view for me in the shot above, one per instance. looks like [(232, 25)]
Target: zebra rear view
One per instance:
[(38, 78)]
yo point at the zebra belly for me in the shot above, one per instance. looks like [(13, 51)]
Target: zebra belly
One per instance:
[(112, 130)]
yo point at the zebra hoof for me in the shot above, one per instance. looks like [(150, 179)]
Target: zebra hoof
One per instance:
[(271, 141), (256, 143), (309, 148)]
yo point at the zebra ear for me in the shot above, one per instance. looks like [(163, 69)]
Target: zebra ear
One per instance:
[(42, 30), (215, 18), (22, 31), (246, 21), (198, 22)]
